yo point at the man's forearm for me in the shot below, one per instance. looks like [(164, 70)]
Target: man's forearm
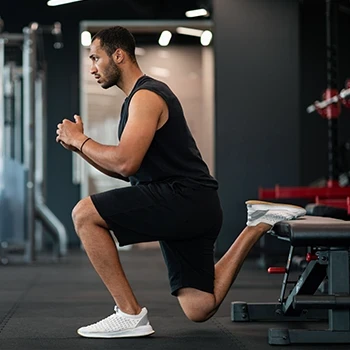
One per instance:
[(106, 157), (101, 169)]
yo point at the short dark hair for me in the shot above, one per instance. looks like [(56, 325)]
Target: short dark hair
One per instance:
[(116, 37)]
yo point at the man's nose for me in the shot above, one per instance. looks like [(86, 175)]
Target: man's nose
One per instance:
[(93, 69)]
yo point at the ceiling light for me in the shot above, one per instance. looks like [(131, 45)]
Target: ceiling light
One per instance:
[(206, 37), (189, 31), (85, 38), (60, 2), (197, 13), (165, 38)]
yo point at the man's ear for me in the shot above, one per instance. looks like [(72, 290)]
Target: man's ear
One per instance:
[(118, 55)]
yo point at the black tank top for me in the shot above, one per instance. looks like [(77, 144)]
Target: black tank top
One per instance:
[(173, 154)]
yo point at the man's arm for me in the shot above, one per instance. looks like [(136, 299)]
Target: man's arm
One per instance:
[(145, 112), (102, 170)]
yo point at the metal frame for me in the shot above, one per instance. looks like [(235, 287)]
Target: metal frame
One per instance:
[(303, 305), (29, 77), (33, 103), (2, 109)]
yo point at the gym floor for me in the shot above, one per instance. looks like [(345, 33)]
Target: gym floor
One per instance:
[(42, 305)]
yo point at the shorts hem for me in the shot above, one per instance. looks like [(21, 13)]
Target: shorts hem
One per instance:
[(174, 289)]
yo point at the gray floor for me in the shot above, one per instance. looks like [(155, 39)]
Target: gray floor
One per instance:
[(43, 304)]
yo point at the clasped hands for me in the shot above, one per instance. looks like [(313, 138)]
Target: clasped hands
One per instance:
[(71, 134)]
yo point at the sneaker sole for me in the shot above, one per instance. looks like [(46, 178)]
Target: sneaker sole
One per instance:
[(142, 331), (262, 205)]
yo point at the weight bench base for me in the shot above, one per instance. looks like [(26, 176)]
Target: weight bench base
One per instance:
[(271, 312), (281, 336)]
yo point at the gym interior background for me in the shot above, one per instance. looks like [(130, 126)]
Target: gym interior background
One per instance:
[(269, 65), (266, 63)]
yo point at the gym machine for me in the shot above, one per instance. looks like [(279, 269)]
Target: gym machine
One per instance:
[(327, 261), (24, 215)]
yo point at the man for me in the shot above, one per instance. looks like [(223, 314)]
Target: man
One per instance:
[(173, 198)]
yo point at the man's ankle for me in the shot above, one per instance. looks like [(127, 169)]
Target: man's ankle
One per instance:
[(129, 310)]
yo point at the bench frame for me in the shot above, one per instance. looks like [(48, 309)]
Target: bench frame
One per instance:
[(331, 268)]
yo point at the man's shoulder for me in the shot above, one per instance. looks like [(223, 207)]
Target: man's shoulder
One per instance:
[(152, 82)]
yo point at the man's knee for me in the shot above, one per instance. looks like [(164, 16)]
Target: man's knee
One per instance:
[(81, 213), (198, 306), (197, 315)]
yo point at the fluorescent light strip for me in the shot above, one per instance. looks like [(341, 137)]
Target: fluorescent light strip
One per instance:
[(197, 13), (189, 31), (60, 2)]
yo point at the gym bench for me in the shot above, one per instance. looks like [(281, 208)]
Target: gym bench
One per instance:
[(321, 292)]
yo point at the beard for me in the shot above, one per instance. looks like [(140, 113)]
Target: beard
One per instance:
[(112, 75)]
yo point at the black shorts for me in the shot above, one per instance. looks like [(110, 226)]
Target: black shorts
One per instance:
[(185, 221)]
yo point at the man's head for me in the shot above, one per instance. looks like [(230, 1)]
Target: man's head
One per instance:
[(111, 39), (110, 49)]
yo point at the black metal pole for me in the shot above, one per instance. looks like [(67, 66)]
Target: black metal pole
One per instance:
[(332, 83)]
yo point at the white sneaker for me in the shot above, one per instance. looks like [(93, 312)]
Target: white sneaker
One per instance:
[(119, 325), (271, 213)]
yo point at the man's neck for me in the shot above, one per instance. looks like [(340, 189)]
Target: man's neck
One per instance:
[(129, 79)]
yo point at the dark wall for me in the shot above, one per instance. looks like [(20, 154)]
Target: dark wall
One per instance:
[(257, 103), (313, 131)]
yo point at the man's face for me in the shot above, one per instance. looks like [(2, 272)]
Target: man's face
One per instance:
[(103, 68)]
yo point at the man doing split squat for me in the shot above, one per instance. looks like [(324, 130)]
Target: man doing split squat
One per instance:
[(172, 199)]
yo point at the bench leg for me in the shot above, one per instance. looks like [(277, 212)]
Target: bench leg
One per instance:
[(339, 284), (338, 319)]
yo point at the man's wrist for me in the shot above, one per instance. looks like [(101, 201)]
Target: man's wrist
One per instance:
[(79, 141), (84, 142)]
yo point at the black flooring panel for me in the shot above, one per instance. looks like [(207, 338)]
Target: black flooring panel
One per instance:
[(42, 305)]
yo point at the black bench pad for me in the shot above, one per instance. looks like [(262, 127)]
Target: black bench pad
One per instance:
[(314, 231)]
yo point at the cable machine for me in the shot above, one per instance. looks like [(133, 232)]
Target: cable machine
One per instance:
[(23, 213)]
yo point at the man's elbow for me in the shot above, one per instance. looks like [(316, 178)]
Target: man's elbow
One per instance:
[(128, 169)]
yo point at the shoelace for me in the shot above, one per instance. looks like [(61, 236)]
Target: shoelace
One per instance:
[(111, 317), (279, 216), (252, 214), (115, 322), (105, 320)]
